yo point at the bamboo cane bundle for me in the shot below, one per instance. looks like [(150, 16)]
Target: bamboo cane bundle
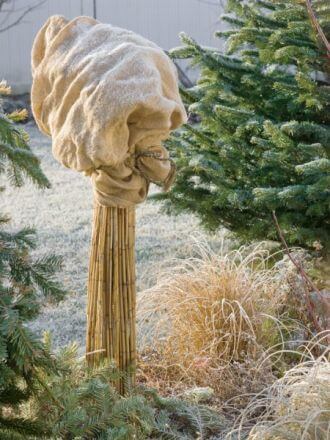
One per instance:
[(111, 290)]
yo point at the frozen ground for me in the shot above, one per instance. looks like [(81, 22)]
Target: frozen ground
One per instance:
[(62, 216)]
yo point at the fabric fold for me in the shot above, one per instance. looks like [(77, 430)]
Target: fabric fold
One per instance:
[(108, 98)]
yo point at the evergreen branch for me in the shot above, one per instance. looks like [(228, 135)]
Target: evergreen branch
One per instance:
[(23, 358), (5, 89), (232, 20), (22, 426), (18, 115), (13, 395), (317, 166), (20, 159), (48, 391), (266, 4), (23, 239)]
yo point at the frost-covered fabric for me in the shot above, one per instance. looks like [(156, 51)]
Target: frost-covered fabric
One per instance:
[(108, 98)]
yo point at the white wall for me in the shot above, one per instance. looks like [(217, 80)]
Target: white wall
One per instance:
[(162, 20), (158, 20)]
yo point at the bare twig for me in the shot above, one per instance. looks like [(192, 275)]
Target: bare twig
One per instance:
[(4, 12), (308, 281), (25, 12), (2, 2), (317, 26), (294, 261), (183, 77)]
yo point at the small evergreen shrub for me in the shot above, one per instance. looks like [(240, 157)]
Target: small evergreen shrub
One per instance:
[(25, 283), (263, 140), (86, 405)]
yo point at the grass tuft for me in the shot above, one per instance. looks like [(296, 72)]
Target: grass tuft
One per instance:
[(295, 407), (208, 322)]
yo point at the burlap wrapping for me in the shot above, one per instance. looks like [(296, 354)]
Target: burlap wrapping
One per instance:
[(108, 98)]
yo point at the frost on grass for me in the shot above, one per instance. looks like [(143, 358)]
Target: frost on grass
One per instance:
[(62, 216), (297, 406), (209, 320)]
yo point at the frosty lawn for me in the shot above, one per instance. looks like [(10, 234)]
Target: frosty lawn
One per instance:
[(62, 216)]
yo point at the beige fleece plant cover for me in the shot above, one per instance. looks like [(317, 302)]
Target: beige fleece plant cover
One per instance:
[(108, 98)]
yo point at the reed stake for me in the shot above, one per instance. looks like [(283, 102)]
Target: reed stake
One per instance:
[(111, 292)]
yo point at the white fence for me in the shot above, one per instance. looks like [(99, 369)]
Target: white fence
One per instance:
[(158, 20)]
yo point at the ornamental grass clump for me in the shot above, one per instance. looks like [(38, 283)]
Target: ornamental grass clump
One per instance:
[(297, 406), (209, 322)]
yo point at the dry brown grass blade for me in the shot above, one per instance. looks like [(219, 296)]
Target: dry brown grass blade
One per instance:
[(206, 321), (295, 407)]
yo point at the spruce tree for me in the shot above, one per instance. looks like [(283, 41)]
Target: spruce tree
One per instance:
[(262, 142), (24, 284)]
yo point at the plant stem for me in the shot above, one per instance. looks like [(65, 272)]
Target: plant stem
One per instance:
[(305, 277)]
